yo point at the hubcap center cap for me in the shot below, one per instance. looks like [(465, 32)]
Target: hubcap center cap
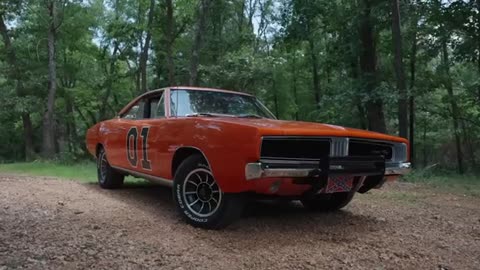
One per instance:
[(204, 192)]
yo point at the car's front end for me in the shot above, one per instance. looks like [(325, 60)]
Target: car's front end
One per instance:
[(304, 165), (240, 148)]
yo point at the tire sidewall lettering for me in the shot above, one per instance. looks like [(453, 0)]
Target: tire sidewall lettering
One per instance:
[(181, 205)]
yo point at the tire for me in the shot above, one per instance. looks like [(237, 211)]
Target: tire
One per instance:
[(199, 199), (108, 177), (328, 202)]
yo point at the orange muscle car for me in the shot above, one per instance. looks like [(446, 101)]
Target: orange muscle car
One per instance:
[(216, 148)]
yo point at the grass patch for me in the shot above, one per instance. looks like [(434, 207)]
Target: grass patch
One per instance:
[(468, 184), (85, 171)]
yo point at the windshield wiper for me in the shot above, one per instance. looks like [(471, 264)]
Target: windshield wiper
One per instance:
[(208, 115), (249, 116), (223, 115), (198, 114)]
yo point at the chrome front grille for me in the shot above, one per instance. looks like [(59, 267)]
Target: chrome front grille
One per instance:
[(314, 148), (339, 147), (399, 152)]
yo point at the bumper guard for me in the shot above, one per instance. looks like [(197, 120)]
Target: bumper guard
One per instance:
[(357, 166)]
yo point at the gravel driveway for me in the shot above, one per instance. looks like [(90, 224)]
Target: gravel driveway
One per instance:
[(50, 223)]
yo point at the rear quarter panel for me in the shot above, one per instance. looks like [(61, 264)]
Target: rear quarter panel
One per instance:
[(108, 134), (91, 139)]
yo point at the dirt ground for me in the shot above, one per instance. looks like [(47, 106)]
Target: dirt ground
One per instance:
[(49, 223)]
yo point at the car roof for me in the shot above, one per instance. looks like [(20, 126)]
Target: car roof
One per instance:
[(203, 89), (154, 91)]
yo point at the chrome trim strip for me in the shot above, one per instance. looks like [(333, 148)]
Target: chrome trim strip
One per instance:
[(155, 179), (257, 170), (289, 161)]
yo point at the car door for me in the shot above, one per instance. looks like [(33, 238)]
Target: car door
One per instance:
[(138, 135), (121, 143), (152, 146)]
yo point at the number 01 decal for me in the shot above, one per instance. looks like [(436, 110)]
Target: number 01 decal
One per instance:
[(132, 147)]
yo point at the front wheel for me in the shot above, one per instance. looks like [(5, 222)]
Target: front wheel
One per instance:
[(328, 202), (199, 198), (108, 177)]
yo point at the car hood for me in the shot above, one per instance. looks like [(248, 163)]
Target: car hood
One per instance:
[(274, 127)]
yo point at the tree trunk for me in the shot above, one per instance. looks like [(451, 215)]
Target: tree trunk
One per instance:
[(48, 147), (71, 125), (368, 62), (170, 42), (28, 137), (315, 76), (241, 19), (68, 83), (275, 95), (111, 74), (453, 104), (354, 70), (468, 144), (399, 70), (109, 83), (412, 100), (197, 42), (413, 58), (425, 148), (478, 46), (146, 48), (294, 83), (15, 75)]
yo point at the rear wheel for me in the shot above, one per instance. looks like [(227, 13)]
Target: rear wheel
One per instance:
[(328, 202), (199, 198), (108, 177)]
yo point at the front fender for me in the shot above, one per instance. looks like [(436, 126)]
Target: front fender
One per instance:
[(228, 147)]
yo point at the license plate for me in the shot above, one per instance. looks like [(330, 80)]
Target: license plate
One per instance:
[(339, 184)]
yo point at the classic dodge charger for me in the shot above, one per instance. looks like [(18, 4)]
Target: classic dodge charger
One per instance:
[(217, 148)]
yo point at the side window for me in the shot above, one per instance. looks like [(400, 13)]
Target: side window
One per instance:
[(180, 104), (136, 111)]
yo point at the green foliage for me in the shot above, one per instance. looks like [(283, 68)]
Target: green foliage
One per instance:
[(264, 47)]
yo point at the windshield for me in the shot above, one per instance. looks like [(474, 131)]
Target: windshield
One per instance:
[(214, 103)]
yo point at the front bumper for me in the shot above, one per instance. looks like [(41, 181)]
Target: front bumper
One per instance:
[(356, 166)]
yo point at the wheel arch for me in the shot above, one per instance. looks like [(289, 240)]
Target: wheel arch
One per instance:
[(183, 153), (97, 149)]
